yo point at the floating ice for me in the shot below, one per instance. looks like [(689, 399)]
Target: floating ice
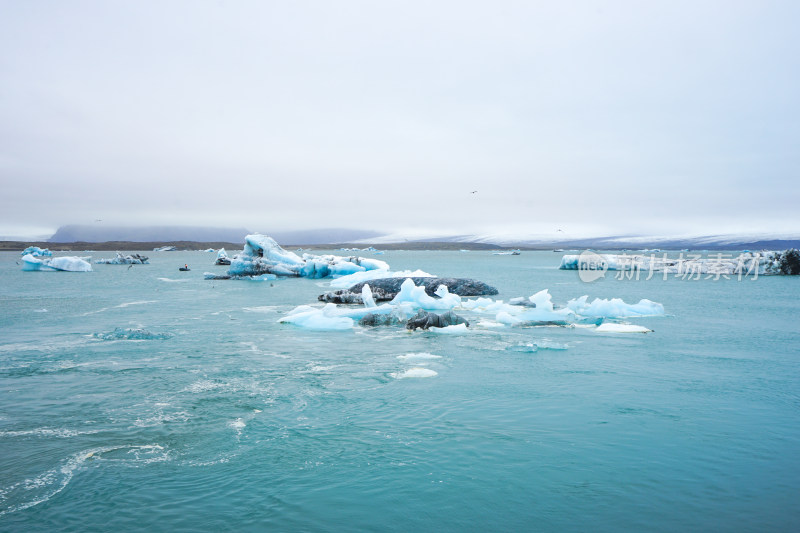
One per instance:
[(543, 310), (366, 296), (65, 264), (614, 308), (458, 329), (539, 310), (325, 319), (416, 372), (133, 259), (609, 327), (166, 249), (417, 296), (262, 255), (37, 252), (222, 258), (748, 263)]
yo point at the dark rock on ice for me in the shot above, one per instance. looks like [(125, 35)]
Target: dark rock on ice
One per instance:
[(347, 296), (790, 262), (375, 319), (425, 320), (387, 288)]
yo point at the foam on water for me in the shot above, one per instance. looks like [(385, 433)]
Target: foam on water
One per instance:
[(39, 489)]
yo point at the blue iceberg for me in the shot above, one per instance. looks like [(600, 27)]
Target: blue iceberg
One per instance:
[(262, 255)]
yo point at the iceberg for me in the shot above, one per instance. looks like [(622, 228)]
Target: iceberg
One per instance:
[(262, 255), (166, 249), (614, 308), (222, 258), (64, 264), (133, 259), (621, 328), (416, 295), (324, 319), (747, 263), (538, 310), (35, 251)]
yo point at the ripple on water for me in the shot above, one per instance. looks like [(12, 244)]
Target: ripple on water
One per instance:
[(35, 490)]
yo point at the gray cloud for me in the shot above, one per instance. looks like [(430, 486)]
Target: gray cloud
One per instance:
[(622, 117)]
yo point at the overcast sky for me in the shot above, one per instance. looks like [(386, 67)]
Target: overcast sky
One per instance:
[(596, 117)]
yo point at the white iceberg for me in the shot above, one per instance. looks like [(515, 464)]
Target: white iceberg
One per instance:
[(64, 264), (621, 328), (416, 296), (323, 319), (166, 249), (614, 308)]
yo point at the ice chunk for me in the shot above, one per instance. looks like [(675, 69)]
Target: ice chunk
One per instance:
[(65, 264), (614, 308), (133, 259), (37, 252), (609, 327), (222, 258), (417, 296), (324, 319), (747, 263), (543, 310), (366, 296)]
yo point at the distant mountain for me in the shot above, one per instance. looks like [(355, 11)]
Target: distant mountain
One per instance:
[(100, 233)]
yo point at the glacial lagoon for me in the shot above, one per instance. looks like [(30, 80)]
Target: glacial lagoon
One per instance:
[(141, 397)]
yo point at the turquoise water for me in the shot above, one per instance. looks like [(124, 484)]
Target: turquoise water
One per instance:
[(236, 422)]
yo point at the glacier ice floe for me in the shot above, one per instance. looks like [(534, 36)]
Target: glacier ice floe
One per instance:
[(119, 259), (64, 264), (746, 263), (262, 255), (37, 252), (535, 310), (614, 307)]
